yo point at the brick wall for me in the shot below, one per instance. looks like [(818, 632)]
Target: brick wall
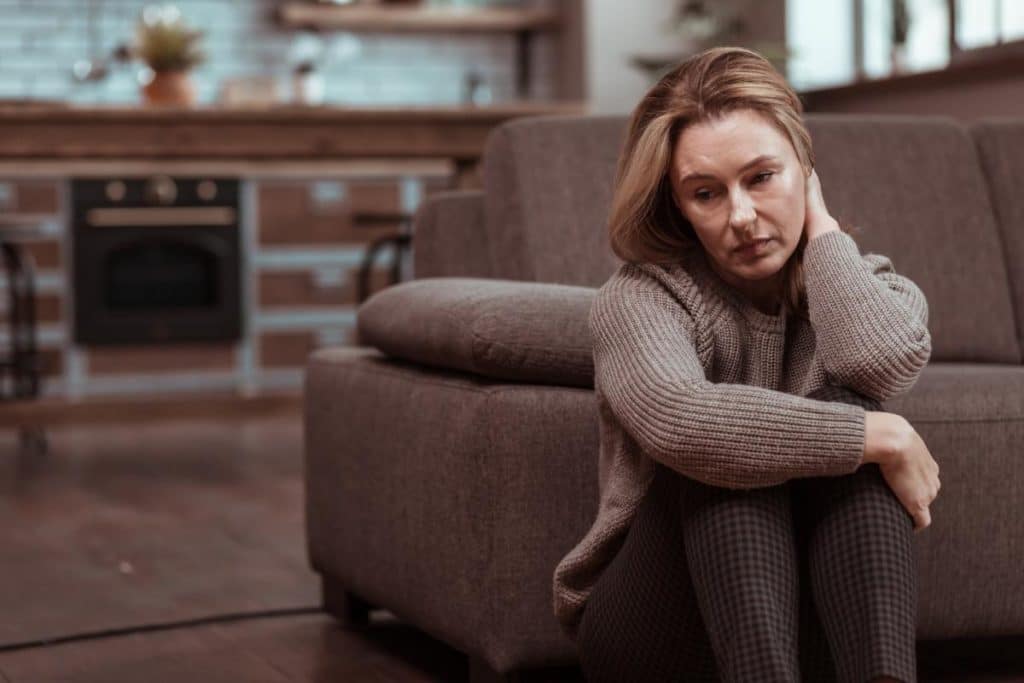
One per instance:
[(40, 40)]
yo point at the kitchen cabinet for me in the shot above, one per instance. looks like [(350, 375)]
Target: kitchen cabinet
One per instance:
[(304, 238), (316, 186)]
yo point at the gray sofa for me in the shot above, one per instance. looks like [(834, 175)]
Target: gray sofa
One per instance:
[(451, 460)]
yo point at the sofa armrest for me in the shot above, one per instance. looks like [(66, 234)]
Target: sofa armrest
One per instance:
[(449, 237), (522, 331)]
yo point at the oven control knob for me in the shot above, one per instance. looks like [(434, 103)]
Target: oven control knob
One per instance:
[(207, 190), (115, 190), (161, 190)]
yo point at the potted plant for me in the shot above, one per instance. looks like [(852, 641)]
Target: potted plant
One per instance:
[(170, 49)]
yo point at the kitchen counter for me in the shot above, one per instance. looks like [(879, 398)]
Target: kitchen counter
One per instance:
[(242, 167), (317, 186), (271, 133)]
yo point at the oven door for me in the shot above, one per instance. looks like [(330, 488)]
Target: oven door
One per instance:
[(157, 274)]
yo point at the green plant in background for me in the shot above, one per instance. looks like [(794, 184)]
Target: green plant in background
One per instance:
[(165, 43)]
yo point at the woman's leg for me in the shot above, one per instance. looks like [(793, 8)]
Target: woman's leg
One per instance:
[(861, 566), (742, 553), (641, 622), (816, 662)]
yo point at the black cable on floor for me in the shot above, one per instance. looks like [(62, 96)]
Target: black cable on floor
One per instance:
[(165, 626)]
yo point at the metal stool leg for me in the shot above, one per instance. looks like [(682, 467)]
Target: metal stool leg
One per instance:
[(24, 352), (23, 364), (400, 242), (366, 267)]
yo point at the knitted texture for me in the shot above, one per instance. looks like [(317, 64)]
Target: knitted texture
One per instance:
[(690, 374)]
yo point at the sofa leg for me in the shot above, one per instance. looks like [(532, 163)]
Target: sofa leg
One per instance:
[(345, 606), (481, 672)]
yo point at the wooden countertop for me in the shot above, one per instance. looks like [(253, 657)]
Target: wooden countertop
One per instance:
[(280, 132), (279, 113), (339, 169)]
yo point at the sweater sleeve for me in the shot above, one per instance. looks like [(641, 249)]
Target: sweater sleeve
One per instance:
[(649, 374), (870, 324)]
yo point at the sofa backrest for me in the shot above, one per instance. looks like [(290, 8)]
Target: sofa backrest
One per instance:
[(911, 185), (1000, 144), (914, 187), (547, 189)]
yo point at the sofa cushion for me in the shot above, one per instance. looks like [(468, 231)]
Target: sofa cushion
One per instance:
[(964, 392), (971, 416), (521, 331), (450, 239), (914, 188), (548, 182), (1001, 146)]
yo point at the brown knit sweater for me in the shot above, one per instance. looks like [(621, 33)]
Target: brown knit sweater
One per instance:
[(689, 373)]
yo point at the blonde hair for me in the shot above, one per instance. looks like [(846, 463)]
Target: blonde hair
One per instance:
[(645, 224)]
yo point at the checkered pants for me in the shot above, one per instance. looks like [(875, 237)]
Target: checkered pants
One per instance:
[(810, 580)]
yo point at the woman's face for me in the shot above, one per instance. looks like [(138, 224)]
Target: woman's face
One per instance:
[(737, 180)]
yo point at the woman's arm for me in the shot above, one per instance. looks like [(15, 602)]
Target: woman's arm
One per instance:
[(649, 375), (870, 324)]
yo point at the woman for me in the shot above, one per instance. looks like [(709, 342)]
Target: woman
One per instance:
[(757, 504)]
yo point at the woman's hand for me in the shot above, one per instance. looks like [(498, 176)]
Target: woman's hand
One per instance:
[(817, 219), (905, 462)]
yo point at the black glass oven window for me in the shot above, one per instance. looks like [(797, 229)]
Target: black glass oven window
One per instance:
[(158, 274)]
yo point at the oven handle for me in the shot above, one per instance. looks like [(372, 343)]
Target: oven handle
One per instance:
[(176, 216)]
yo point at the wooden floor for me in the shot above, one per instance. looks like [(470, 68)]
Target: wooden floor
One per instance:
[(148, 551), (173, 550), (299, 648)]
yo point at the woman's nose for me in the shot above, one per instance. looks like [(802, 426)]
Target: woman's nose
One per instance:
[(742, 213)]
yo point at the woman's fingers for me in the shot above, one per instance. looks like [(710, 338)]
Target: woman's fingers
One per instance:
[(923, 519), (913, 478)]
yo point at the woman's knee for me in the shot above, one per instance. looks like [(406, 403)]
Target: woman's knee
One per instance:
[(859, 503), (865, 488)]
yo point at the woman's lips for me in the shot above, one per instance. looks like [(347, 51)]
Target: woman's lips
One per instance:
[(754, 249)]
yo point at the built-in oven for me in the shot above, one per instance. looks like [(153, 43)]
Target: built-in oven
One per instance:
[(156, 259)]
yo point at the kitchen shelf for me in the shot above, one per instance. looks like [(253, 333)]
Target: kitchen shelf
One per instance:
[(418, 19), (522, 22)]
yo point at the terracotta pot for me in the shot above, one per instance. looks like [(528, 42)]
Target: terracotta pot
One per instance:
[(169, 89)]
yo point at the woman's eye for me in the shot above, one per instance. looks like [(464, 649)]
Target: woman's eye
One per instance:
[(706, 195)]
